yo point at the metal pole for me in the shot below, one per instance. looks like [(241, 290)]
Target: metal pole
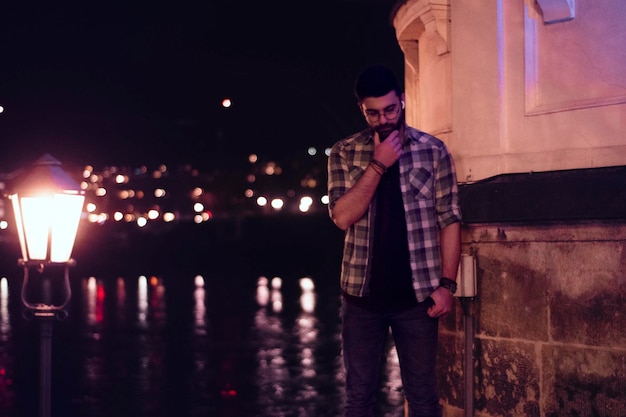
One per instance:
[(469, 365), (468, 371), (44, 366)]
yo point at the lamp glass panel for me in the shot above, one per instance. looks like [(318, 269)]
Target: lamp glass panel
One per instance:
[(15, 201), (36, 212), (66, 212)]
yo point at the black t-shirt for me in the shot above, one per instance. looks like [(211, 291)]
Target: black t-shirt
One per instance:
[(390, 287)]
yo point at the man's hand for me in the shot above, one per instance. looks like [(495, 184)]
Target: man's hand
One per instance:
[(444, 302), (388, 151)]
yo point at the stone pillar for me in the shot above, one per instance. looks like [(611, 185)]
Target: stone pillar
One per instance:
[(423, 28)]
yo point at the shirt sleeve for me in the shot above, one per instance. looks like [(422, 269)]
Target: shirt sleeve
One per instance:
[(446, 188), (338, 175)]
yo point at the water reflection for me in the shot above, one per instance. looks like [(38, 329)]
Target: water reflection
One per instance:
[(5, 324), (195, 345), (199, 310)]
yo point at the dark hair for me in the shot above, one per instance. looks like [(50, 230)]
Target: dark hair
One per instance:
[(375, 81)]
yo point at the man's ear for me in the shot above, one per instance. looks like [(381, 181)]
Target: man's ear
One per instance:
[(360, 104)]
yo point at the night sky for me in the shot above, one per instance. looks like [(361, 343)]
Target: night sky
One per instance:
[(131, 85)]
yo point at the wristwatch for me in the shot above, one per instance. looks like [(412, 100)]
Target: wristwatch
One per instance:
[(448, 284)]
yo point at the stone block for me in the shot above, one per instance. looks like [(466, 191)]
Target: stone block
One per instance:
[(507, 378), (511, 291), (584, 382)]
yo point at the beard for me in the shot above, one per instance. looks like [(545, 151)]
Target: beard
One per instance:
[(385, 130)]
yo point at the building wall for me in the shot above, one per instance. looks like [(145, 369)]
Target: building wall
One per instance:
[(513, 90), (523, 87)]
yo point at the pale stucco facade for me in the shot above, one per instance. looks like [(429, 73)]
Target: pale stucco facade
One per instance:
[(518, 86)]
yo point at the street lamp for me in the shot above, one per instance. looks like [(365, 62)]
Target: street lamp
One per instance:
[(47, 204)]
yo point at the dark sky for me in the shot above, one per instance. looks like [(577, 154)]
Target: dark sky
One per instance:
[(109, 85)]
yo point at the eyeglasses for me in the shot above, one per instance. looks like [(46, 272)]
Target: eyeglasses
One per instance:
[(390, 113)]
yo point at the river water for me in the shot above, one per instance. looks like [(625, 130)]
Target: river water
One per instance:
[(155, 328)]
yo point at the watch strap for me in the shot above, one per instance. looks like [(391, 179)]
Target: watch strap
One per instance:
[(448, 284)]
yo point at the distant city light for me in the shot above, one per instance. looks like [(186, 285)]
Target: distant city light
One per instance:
[(327, 151), (4, 224), (226, 103), (270, 168), (198, 219), (1, 109), (101, 188), (325, 199), (305, 204), (199, 281), (98, 218), (278, 203)]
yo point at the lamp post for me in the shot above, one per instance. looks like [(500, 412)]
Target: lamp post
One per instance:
[(47, 204)]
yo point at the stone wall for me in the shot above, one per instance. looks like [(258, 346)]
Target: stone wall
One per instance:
[(549, 317)]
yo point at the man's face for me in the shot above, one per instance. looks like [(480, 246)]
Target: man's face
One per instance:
[(384, 114)]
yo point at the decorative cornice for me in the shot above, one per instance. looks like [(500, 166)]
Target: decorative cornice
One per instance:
[(413, 18)]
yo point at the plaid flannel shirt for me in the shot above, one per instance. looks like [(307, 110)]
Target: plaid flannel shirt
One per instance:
[(430, 198)]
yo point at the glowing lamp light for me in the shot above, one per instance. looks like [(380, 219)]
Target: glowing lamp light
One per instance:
[(48, 206)]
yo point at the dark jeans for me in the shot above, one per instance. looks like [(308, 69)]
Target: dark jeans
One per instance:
[(364, 334)]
